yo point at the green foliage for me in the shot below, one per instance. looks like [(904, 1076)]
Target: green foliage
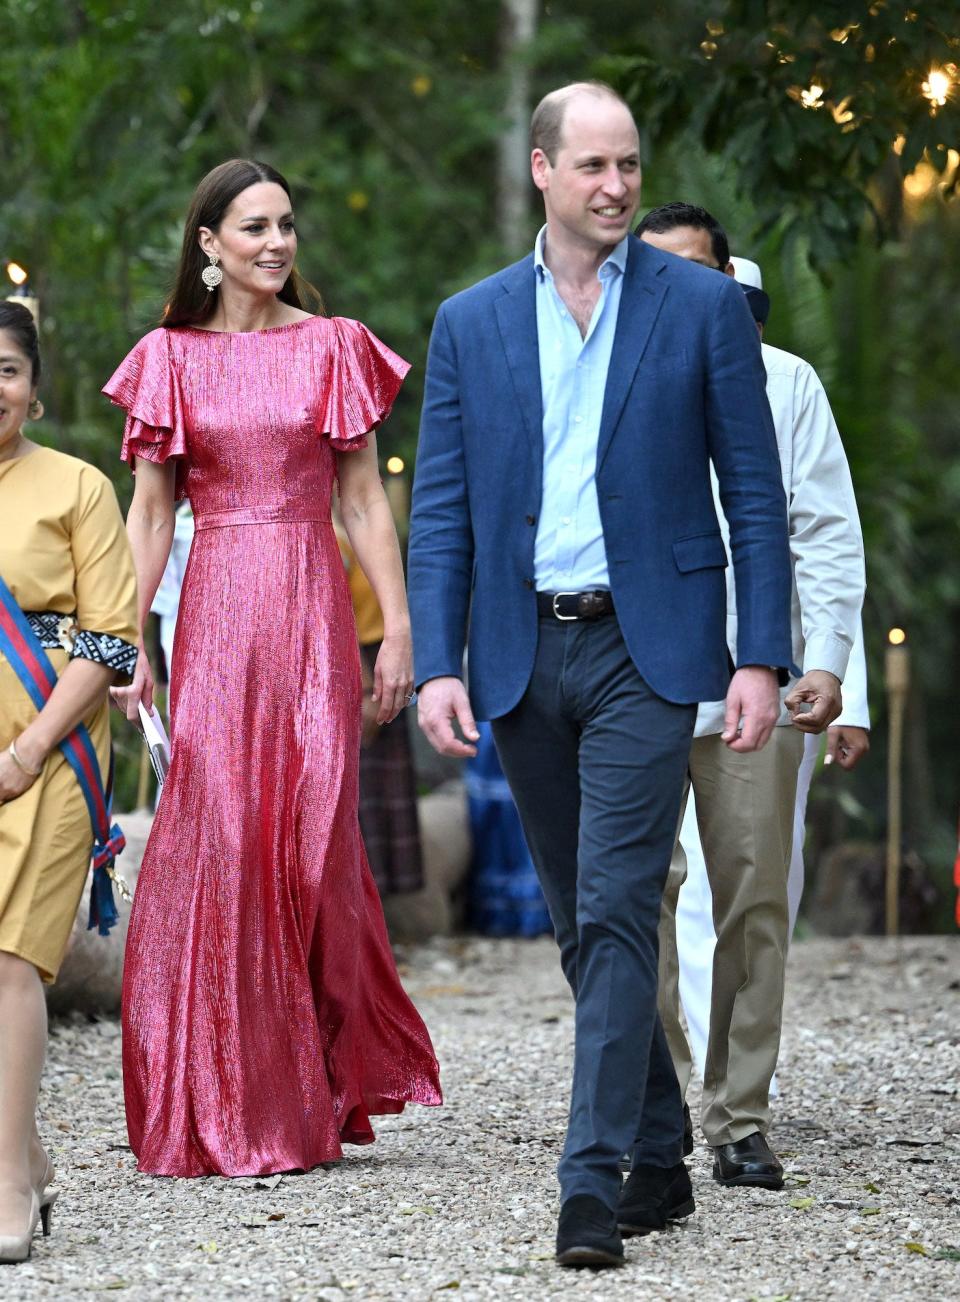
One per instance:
[(383, 115), (110, 114), (808, 101)]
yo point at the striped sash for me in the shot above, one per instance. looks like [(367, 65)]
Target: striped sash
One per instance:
[(21, 646)]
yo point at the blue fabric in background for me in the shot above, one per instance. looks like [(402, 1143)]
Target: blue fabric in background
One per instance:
[(504, 893)]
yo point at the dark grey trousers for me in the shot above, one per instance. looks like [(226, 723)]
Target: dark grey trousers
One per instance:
[(596, 762)]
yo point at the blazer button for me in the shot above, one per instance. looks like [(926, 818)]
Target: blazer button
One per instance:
[(528, 583), (531, 519)]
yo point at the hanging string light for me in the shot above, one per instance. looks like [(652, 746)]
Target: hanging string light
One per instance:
[(937, 87), (811, 98)]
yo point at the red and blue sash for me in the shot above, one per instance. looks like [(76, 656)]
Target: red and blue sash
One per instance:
[(21, 646)]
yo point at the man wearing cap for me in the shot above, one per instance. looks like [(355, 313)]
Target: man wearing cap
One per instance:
[(745, 805)]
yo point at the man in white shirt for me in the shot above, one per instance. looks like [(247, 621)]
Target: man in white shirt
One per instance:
[(745, 805)]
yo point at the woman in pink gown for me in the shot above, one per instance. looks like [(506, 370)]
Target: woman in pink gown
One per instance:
[(263, 1018)]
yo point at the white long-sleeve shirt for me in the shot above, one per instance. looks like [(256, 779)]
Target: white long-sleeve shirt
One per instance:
[(826, 543), (856, 709)]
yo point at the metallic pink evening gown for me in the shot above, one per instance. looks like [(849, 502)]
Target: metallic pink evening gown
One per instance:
[(263, 1018)]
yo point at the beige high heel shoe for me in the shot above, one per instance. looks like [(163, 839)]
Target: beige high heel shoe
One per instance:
[(46, 1177), (16, 1247)]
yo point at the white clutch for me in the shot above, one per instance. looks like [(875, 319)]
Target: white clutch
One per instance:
[(158, 743)]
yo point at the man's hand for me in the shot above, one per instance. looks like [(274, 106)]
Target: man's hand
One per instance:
[(822, 691), (846, 746), (440, 702), (753, 698)]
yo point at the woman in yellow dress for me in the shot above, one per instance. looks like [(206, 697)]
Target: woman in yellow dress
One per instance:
[(64, 557)]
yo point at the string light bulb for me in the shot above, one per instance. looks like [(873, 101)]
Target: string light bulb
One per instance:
[(937, 87)]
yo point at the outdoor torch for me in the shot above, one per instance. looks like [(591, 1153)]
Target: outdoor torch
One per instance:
[(897, 682), (21, 292)]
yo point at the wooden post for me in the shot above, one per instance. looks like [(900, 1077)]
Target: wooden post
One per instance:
[(897, 675)]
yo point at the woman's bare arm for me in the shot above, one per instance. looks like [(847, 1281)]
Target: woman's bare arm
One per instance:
[(150, 523), (368, 521), (80, 688)]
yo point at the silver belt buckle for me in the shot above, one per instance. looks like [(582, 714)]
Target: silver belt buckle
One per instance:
[(556, 614)]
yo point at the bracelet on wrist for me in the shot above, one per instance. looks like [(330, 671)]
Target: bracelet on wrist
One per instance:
[(25, 768)]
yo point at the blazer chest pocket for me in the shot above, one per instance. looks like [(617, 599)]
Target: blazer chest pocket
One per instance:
[(701, 552)]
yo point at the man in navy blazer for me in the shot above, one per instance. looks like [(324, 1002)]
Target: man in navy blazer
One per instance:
[(563, 513)]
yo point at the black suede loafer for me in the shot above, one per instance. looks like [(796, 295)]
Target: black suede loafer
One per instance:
[(587, 1234), (748, 1162), (652, 1196)]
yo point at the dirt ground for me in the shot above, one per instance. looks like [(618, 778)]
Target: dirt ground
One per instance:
[(461, 1201)]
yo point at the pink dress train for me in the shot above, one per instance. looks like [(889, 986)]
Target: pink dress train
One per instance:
[(263, 1018)]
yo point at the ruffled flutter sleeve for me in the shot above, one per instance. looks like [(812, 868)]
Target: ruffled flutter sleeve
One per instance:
[(364, 380), (145, 386)]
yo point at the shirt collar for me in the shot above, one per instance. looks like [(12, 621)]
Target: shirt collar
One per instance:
[(617, 261)]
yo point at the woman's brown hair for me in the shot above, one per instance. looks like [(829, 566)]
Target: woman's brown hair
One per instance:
[(190, 302), (17, 322)]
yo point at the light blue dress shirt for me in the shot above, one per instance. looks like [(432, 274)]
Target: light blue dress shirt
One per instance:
[(569, 554)]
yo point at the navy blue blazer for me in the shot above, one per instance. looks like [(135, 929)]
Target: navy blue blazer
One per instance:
[(685, 386)]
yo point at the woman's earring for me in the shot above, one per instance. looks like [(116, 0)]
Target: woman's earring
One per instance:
[(35, 410), (212, 275)]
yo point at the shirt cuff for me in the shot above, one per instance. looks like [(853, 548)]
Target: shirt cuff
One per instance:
[(825, 651), (852, 720)]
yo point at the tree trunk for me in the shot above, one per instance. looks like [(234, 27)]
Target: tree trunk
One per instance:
[(517, 29)]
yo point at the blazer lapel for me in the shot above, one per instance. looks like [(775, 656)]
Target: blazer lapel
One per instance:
[(516, 311), (640, 300)]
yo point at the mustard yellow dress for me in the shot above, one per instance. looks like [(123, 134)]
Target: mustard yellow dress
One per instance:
[(65, 557)]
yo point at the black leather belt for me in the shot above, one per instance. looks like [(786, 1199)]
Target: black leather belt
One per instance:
[(566, 606)]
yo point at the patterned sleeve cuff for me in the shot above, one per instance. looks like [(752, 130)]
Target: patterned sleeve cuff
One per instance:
[(105, 649)]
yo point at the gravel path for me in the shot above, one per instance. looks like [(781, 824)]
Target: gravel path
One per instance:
[(461, 1202)]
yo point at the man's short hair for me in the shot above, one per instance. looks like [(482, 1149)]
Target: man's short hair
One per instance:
[(546, 125), (671, 216)]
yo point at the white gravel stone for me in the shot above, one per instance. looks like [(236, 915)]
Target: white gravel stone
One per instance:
[(461, 1202)]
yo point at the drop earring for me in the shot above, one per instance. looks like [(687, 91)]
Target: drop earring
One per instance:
[(212, 275)]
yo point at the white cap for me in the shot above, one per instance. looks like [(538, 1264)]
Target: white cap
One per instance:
[(747, 272)]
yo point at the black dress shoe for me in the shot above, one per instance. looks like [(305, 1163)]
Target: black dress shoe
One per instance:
[(587, 1234), (652, 1196), (627, 1160), (748, 1161)]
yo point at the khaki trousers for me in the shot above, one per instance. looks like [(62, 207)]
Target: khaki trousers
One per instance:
[(745, 806)]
